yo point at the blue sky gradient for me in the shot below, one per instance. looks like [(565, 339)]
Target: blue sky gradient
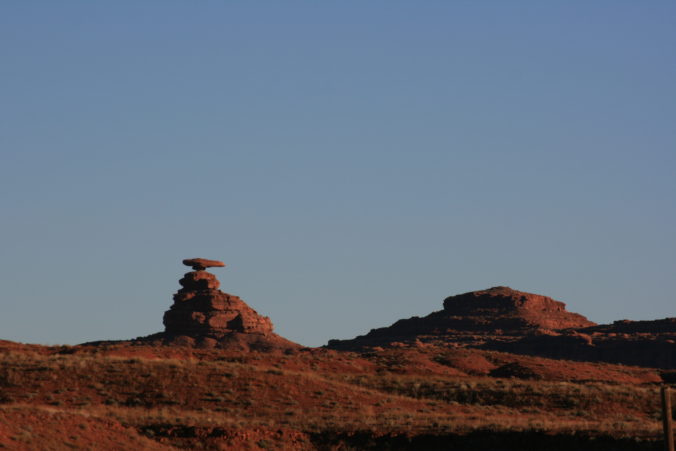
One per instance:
[(352, 162)]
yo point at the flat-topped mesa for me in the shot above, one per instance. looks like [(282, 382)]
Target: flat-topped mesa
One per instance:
[(505, 303), (475, 318), (201, 309)]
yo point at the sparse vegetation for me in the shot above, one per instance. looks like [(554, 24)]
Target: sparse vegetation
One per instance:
[(185, 398)]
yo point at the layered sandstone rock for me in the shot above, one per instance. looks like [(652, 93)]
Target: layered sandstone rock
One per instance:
[(201, 308), (475, 318), (503, 319), (505, 308), (202, 315)]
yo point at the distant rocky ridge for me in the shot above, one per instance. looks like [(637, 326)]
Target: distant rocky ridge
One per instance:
[(504, 319), (204, 316), (641, 343), (498, 313)]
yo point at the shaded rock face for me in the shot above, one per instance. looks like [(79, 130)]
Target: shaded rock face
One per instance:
[(201, 308), (642, 343), (475, 318)]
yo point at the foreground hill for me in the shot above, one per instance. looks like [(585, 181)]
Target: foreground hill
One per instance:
[(134, 396)]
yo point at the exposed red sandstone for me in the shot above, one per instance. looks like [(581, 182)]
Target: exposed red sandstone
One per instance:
[(202, 315), (473, 318), (513, 309), (524, 323)]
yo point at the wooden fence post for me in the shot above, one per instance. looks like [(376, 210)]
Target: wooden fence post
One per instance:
[(666, 419)]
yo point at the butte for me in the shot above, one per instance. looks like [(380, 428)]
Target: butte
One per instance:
[(477, 318)]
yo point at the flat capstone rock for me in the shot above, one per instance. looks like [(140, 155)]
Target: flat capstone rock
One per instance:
[(200, 264)]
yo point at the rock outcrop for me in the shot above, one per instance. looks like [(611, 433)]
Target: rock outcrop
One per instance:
[(503, 319), (641, 343), (200, 308), (474, 318), (506, 309), (199, 264), (203, 315)]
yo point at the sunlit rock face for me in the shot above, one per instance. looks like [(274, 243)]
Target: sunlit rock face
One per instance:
[(204, 316), (200, 307)]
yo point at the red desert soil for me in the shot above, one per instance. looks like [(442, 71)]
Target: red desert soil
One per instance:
[(133, 396), (27, 427)]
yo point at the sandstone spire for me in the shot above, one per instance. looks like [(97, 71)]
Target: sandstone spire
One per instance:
[(200, 308), (202, 315)]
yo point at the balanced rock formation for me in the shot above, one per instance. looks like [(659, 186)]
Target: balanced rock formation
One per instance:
[(475, 318), (203, 315), (201, 308)]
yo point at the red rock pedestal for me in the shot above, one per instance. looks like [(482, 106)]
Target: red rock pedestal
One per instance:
[(201, 308), (205, 317)]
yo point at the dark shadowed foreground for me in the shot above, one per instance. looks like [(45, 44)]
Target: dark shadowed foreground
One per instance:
[(134, 396)]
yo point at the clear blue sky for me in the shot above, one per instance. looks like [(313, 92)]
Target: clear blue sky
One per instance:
[(352, 162)]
